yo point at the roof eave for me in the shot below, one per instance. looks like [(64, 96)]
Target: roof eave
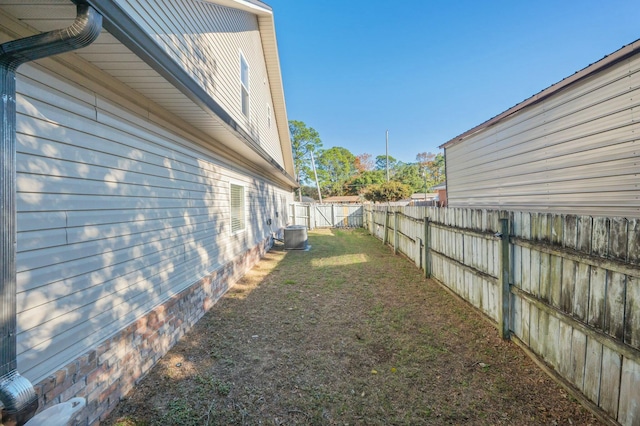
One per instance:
[(126, 30), (606, 62), (272, 59), (266, 24)]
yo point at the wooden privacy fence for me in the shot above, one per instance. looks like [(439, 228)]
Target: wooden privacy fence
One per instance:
[(314, 215), (566, 288)]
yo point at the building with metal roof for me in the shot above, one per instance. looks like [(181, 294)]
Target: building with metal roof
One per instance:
[(571, 148)]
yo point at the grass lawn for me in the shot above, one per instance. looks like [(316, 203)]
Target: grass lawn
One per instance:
[(344, 334)]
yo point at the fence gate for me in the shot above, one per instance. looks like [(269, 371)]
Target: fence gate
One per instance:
[(314, 215)]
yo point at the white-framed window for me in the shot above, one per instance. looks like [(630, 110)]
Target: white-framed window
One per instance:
[(236, 198), (244, 84)]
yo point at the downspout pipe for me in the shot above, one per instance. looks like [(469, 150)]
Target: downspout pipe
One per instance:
[(17, 394)]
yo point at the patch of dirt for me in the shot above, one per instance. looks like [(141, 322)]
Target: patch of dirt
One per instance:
[(344, 334)]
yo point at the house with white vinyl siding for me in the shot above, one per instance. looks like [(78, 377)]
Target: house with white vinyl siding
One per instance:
[(572, 148), (152, 167)]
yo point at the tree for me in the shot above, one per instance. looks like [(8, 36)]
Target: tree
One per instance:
[(388, 191), (304, 140), (437, 169), (381, 163), (335, 167), (359, 183), (309, 191), (410, 175), (431, 167), (364, 162), (424, 158)]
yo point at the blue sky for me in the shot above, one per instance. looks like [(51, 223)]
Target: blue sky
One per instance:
[(430, 70)]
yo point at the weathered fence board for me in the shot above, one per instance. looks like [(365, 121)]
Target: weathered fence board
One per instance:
[(584, 233), (574, 283), (578, 355), (618, 241), (581, 292), (556, 281), (633, 241), (570, 232), (568, 285), (564, 349), (314, 215), (516, 315), (600, 240), (614, 313), (593, 364), (545, 277), (610, 381), (629, 407), (552, 341), (535, 272), (632, 309), (596, 297)]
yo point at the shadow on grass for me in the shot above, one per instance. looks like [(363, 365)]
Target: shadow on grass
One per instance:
[(345, 333)]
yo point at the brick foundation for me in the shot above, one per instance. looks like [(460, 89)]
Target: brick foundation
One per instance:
[(106, 373)]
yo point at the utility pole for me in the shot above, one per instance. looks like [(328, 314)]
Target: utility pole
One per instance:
[(387, 155), (425, 185), (299, 186), (313, 163)]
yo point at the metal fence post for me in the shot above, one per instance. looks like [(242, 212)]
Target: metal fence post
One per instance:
[(503, 280), (425, 254)]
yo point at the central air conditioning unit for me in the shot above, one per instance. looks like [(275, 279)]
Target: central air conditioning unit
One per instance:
[(295, 237)]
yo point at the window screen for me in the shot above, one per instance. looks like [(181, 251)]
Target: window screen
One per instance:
[(244, 83)]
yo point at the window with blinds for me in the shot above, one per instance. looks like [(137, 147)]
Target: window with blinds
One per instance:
[(236, 195)]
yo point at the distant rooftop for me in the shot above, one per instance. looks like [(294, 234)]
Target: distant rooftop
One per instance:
[(423, 196), (343, 199)]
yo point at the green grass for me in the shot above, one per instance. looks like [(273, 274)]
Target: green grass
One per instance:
[(179, 412), (209, 385)]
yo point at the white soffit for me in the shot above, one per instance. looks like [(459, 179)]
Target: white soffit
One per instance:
[(251, 6)]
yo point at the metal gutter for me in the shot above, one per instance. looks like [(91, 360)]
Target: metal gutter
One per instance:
[(621, 54), (128, 32), (16, 392)]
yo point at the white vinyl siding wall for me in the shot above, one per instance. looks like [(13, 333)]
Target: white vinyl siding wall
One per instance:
[(115, 215), (205, 39), (575, 152)]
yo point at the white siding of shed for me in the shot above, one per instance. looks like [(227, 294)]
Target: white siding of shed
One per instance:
[(115, 215), (206, 40), (574, 152)]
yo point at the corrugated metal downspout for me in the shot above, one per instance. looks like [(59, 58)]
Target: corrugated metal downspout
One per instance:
[(17, 393)]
